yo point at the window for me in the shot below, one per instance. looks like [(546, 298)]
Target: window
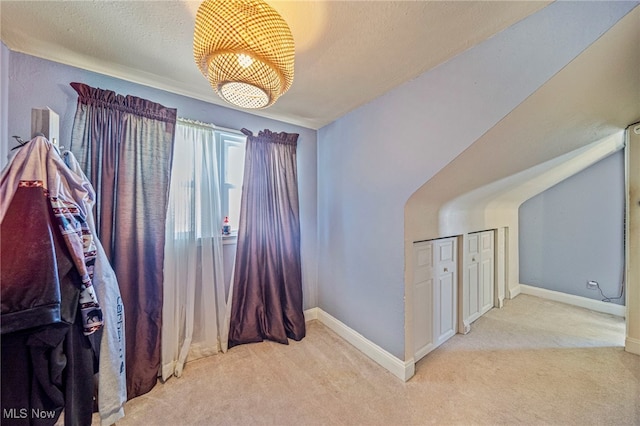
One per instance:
[(200, 151), (231, 153)]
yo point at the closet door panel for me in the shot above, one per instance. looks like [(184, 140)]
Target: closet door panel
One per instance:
[(487, 278), (445, 284), (473, 277), (422, 298), (445, 307), (434, 294)]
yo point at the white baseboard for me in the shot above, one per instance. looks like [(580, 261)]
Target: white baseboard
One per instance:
[(570, 299), (422, 352), (632, 345), (404, 370), (311, 314), (514, 291)]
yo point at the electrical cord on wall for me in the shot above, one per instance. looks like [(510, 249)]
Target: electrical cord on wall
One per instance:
[(624, 267), (609, 299)]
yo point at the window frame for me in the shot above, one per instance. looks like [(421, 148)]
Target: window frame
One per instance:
[(224, 140)]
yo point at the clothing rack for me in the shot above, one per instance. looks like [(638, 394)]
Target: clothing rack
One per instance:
[(22, 142), (44, 122)]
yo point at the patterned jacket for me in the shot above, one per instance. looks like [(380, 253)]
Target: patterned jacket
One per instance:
[(36, 238)]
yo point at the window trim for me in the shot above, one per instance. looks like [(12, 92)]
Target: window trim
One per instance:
[(224, 140)]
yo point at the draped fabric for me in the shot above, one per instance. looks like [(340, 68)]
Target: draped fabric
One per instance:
[(267, 284), (194, 306), (112, 379), (124, 145)]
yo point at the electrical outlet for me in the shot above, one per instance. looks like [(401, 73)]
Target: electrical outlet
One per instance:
[(592, 285)]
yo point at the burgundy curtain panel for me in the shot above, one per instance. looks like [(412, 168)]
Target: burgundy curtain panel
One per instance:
[(267, 287), (125, 145)]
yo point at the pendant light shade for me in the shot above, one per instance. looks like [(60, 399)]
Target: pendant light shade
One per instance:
[(245, 49)]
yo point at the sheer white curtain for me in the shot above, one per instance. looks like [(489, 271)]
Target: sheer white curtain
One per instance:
[(194, 307)]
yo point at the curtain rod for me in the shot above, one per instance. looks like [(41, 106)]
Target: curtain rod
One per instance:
[(209, 125)]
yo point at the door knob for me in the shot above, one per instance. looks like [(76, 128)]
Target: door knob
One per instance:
[(446, 269)]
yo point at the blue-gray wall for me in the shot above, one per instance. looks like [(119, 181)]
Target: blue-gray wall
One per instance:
[(371, 160), (35, 83), (574, 232)]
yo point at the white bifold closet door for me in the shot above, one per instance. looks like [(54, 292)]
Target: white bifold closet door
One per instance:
[(434, 294), (480, 273)]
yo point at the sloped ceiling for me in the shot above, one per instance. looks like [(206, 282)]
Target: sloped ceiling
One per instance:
[(347, 52), (595, 96)]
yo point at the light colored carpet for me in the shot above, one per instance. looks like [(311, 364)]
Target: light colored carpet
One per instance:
[(534, 362)]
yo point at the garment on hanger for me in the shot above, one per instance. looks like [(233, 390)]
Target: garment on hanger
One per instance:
[(48, 304), (112, 378), (38, 166)]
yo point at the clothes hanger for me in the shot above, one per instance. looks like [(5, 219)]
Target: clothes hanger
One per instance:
[(21, 142)]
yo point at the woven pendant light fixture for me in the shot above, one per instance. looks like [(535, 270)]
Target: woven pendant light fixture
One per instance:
[(245, 49)]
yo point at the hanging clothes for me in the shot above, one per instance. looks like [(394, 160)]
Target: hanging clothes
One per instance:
[(112, 378), (49, 309), (38, 166)]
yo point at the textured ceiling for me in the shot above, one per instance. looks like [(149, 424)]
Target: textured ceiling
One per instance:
[(347, 52)]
